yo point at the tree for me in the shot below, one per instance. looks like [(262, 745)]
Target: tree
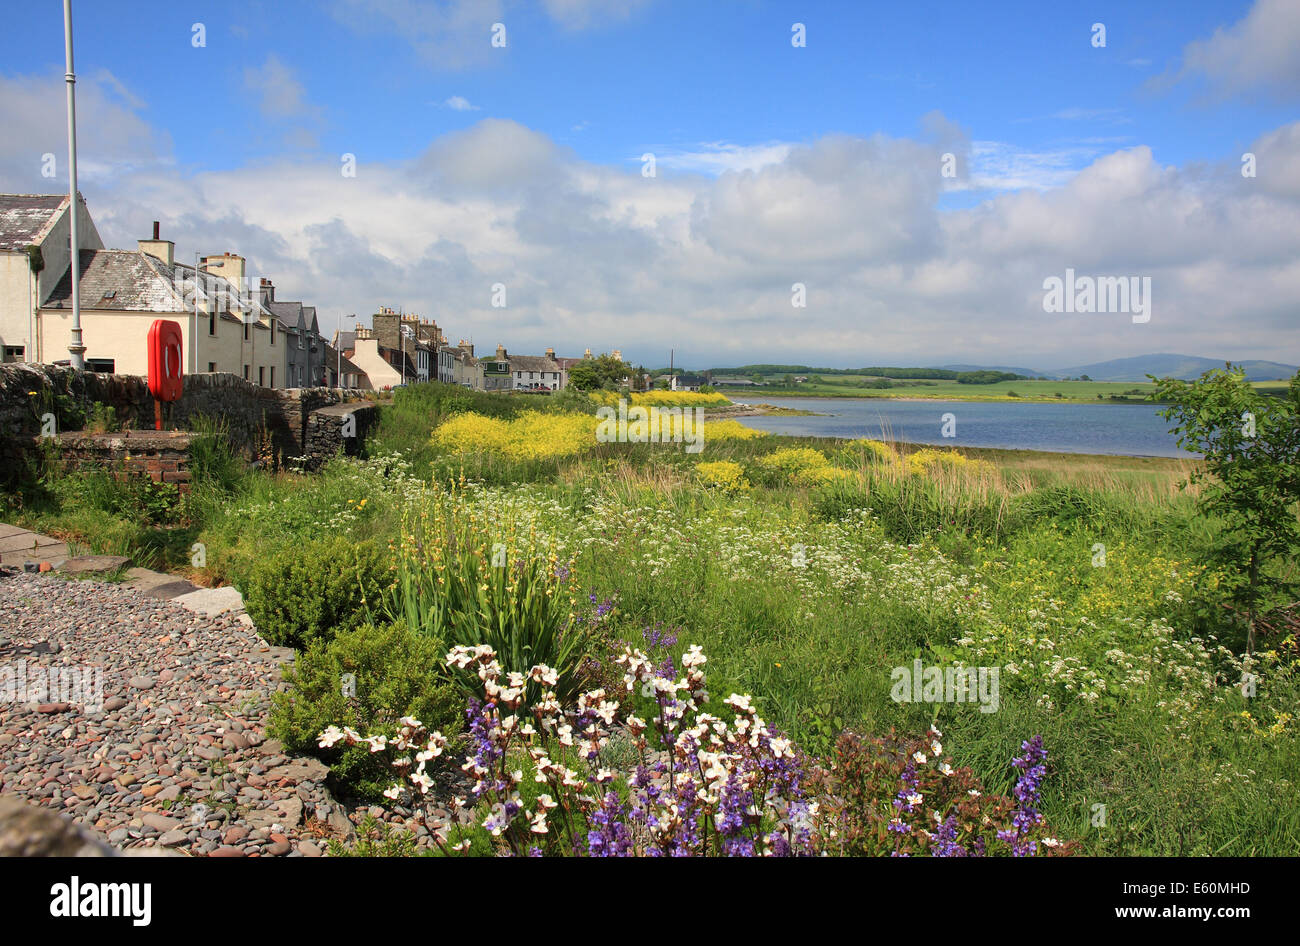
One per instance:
[(1249, 479), (591, 374)]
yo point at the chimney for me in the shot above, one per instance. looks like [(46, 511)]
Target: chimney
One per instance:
[(501, 353), (164, 250), (387, 328), (550, 353), (266, 290), (468, 346), (228, 265)]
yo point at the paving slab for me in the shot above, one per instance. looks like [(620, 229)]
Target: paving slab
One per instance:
[(212, 601), (93, 564), (54, 554), (157, 584), (26, 541)]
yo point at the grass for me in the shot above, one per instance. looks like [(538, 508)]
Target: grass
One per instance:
[(806, 591)]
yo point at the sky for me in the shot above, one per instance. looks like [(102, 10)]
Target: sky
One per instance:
[(920, 169)]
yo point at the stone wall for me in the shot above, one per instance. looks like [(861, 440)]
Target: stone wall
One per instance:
[(162, 455), (271, 424)]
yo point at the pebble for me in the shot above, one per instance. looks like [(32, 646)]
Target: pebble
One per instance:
[(200, 691)]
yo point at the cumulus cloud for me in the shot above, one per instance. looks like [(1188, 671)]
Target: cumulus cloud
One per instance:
[(595, 255), (459, 103), (1258, 54)]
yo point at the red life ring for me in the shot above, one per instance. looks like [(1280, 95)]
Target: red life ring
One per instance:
[(166, 375)]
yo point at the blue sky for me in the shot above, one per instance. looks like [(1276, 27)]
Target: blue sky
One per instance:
[(717, 92)]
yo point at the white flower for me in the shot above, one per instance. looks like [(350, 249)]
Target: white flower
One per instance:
[(919, 757)]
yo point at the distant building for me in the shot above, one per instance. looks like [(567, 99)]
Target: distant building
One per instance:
[(535, 373), (223, 327), (35, 252), (686, 382), (466, 370), (496, 371)]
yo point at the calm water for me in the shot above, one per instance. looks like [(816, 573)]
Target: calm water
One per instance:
[(1119, 429)]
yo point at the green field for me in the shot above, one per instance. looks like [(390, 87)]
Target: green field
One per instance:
[(857, 386), (1079, 392)]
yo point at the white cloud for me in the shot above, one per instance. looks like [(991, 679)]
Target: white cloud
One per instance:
[(459, 103), (1259, 53), (719, 157), (598, 256)]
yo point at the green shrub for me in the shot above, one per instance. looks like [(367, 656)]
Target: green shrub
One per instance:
[(396, 673), (313, 590)]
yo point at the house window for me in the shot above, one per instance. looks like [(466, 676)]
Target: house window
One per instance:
[(261, 377), (212, 321), (246, 372), (212, 367), (246, 329), (273, 376), (273, 342), (100, 365), (14, 352)]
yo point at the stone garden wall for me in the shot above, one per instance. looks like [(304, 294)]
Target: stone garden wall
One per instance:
[(276, 425)]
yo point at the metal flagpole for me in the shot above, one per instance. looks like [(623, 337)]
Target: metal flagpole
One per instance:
[(76, 349)]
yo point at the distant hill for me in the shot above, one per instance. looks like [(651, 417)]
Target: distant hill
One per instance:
[(1186, 367)]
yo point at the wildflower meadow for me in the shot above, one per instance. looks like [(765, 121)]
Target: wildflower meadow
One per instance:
[(527, 614)]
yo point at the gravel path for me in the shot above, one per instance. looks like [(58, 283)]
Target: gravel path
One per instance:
[(176, 756)]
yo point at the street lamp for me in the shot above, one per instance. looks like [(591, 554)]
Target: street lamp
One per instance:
[(76, 348)]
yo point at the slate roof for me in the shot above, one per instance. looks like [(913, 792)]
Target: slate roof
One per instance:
[(138, 282), (461, 354), (532, 363), (24, 216), (286, 312), (332, 361)]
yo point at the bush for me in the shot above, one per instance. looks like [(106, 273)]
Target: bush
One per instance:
[(396, 673), (799, 466), (724, 475), (901, 796), (463, 579), (314, 590)]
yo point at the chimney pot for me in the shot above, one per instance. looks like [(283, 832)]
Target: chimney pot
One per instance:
[(155, 229)]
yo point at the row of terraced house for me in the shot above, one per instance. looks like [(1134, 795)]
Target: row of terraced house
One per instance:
[(230, 321)]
